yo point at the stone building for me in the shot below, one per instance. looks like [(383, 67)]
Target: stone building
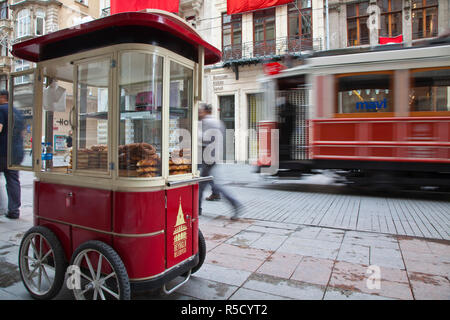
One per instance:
[(287, 33)]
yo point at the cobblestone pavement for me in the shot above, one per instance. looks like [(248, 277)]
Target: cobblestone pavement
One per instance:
[(275, 252)]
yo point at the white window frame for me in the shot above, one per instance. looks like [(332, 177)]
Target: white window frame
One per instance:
[(21, 65), (40, 14), (23, 23)]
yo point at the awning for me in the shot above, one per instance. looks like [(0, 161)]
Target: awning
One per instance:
[(118, 6), (238, 6)]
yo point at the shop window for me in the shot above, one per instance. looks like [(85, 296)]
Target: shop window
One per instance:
[(92, 148), (357, 31), (365, 93), (430, 90), (180, 122), (424, 18), (140, 134)]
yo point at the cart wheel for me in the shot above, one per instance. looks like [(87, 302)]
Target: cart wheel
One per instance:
[(102, 273), (42, 263), (201, 252)]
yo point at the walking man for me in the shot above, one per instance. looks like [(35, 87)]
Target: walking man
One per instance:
[(11, 176), (210, 126)]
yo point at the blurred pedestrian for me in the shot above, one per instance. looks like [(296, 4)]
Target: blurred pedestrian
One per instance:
[(214, 126), (11, 176), (69, 146)]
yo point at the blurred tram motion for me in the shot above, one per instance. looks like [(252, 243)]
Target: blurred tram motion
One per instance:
[(381, 118)]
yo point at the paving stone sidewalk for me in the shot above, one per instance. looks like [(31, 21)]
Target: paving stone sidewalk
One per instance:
[(260, 260)]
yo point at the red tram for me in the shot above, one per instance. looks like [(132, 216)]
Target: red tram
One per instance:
[(380, 116), (122, 213)]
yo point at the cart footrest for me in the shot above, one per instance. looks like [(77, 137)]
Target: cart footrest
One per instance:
[(164, 288)]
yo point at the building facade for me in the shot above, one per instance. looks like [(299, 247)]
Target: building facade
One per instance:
[(286, 33)]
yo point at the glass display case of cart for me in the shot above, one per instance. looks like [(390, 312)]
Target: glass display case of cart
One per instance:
[(180, 122), (140, 131)]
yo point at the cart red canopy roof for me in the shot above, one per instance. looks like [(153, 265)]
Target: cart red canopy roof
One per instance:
[(152, 27)]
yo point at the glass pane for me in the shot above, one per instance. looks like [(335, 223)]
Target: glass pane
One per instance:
[(180, 122), (352, 33), (430, 90), (293, 25), (396, 5), (22, 104), (351, 10), (93, 105), (140, 134), (365, 93), (417, 24), (364, 32), (431, 22)]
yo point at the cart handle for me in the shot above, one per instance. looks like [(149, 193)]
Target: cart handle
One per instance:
[(199, 179)]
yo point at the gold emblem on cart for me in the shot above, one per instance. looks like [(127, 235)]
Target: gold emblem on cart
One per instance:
[(179, 234)]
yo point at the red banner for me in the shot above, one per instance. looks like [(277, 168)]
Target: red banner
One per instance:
[(387, 40), (237, 6), (118, 6)]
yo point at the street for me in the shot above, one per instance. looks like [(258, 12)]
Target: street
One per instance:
[(296, 239)]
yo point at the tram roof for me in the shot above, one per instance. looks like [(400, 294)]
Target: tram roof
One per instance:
[(152, 26)]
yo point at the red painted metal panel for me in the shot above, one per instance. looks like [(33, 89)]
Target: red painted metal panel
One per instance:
[(143, 256), (76, 205), (118, 6), (411, 139), (178, 225), (139, 212), (195, 224), (80, 236), (63, 234)]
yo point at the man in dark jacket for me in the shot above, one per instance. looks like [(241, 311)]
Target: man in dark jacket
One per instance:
[(11, 176)]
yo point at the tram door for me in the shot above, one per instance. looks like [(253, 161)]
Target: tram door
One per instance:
[(226, 105)]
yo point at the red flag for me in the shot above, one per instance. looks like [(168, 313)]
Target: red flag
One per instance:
[(137, 5), (237, 6), (387, 40)]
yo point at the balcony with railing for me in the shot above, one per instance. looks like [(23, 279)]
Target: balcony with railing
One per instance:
[(256, 51)]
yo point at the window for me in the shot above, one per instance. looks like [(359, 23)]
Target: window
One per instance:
[(3, 50), (4, 10), (3, 82), (92, 148), (357, 31), (85, 2), (365, 93), (424, 18), (300, 25), (180, 123), (391, 18), (430, 90), (140, 134), (40, 23), (231, 36), (23, 23), (21, 65), (264, 32)]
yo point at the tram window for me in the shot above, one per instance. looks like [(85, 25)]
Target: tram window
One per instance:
[(430, 90), (364, 93), (140, 134), (180, 123), (92, 107)]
